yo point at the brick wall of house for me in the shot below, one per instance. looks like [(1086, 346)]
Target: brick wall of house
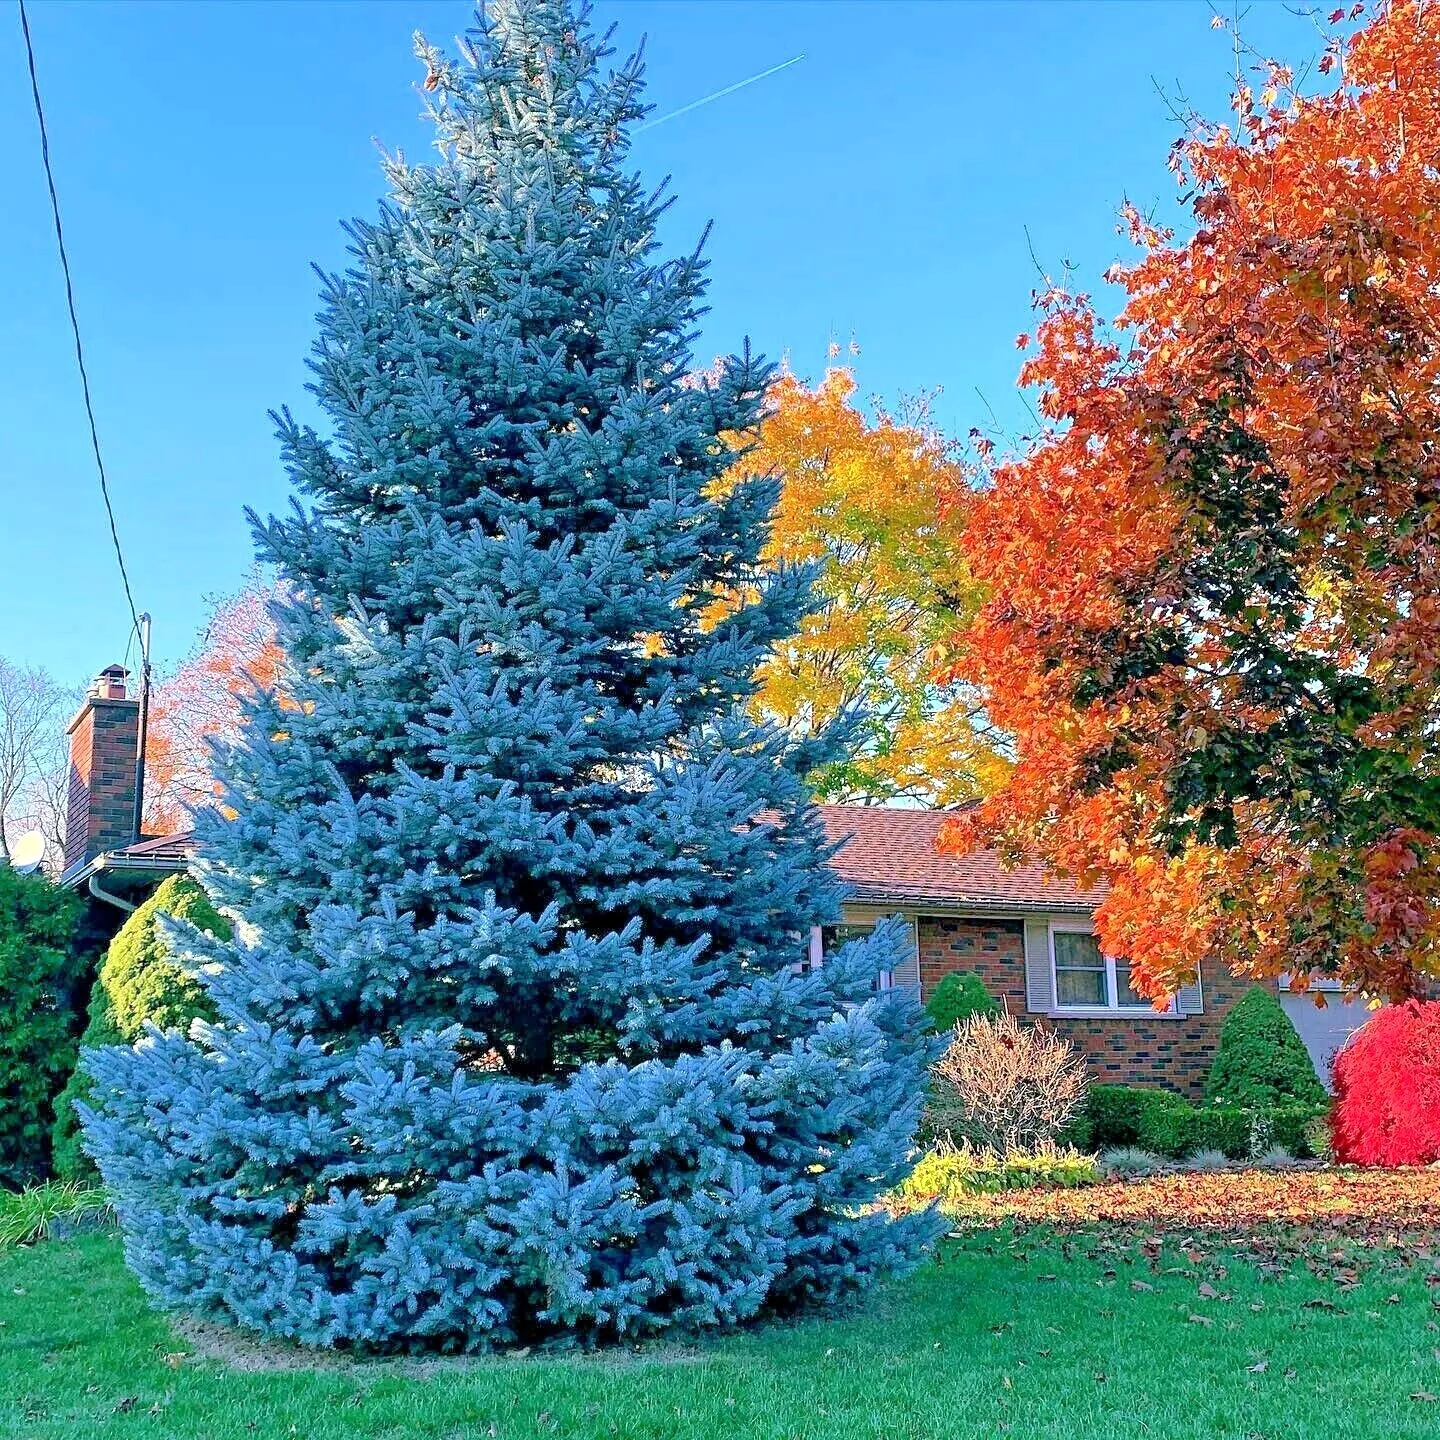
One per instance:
[(1129, 1050), (100, 804)]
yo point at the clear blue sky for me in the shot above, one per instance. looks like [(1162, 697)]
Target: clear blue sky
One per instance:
[(205, 153)]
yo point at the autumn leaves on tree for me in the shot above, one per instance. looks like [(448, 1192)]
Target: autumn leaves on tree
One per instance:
[(1213, 625), (871, 505), (200, 704)]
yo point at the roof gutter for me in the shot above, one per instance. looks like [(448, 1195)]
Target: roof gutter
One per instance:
[(970, 905), (119, 863)]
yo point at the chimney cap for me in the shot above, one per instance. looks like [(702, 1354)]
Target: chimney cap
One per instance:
[(110, 683)]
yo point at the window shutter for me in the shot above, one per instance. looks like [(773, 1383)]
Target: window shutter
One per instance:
[(1039, 981), (1189, 1000), (907, 972)]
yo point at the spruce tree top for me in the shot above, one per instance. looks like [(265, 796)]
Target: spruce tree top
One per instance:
[(516, 1036), (505, 684)]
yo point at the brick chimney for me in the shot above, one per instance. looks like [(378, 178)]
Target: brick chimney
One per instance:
[(100, 809)]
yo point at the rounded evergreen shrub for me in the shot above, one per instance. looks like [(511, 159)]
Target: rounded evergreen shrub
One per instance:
[(957, 997), (1261, 1061), (1387, 1089), (41, 979), (138, 980)]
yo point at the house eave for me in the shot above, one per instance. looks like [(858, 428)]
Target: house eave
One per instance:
[(118, 866), (921, 903)]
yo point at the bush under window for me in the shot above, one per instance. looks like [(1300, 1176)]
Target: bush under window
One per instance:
[(957, 997)]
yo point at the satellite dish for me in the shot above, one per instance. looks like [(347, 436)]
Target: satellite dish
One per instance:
[(27, 852)]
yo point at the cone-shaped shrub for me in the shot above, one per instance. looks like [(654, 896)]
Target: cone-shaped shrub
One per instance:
[(139, 981), (1387, 1089), (957, 997), (1261, 1061), (512, 816)]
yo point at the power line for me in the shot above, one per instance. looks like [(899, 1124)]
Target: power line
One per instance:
[(74, 320)]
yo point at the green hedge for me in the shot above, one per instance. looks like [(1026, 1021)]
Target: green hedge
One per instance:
[(1261, 1061), (957, 997), (1164, 1123), (42, 978), (138, 981)]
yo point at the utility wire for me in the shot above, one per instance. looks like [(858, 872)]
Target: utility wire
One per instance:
[(74, 320)]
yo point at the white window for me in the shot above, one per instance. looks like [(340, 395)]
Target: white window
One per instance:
[(1087, 980), (837, 935)]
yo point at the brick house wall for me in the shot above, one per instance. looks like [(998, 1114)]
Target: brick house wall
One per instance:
[(1174, 1052)]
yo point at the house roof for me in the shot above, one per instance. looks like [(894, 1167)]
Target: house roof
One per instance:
[(890, 856)]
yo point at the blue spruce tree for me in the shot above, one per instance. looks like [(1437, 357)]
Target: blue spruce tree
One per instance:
[(515, 1036)]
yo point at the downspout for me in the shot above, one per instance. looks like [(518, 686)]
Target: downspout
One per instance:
[(95, 889)]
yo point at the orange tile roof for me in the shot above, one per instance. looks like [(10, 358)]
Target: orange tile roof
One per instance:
[(890, 855)]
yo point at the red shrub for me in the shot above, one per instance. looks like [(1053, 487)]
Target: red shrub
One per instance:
[(1387, 1089)]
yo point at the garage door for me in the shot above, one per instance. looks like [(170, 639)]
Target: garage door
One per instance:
[(1325, 1031)]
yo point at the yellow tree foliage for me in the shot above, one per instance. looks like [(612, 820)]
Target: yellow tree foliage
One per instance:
[(872, 505)]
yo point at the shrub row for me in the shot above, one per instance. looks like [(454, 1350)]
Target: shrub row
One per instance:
[(951, 1174), (1117, 1116)]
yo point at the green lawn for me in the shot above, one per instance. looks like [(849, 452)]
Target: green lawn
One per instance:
[(1033, 1335)]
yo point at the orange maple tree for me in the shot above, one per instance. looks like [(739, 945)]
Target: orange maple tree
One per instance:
[(200, 704), (1213, 626)]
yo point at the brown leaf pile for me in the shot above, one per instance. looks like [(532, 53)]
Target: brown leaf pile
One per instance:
[(1236, 1200), (1337, 1224)]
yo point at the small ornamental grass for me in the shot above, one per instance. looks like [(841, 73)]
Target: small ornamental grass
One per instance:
[(1005, 1087), (31, 1215), (1209, 1160), (1277, 1157), (1126, 1162)]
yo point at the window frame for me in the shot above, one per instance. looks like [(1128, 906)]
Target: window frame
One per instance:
[(885, 980), (1112, 1008)]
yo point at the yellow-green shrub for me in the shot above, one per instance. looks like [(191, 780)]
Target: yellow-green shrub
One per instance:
[(139, 980), (952, 1174)]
